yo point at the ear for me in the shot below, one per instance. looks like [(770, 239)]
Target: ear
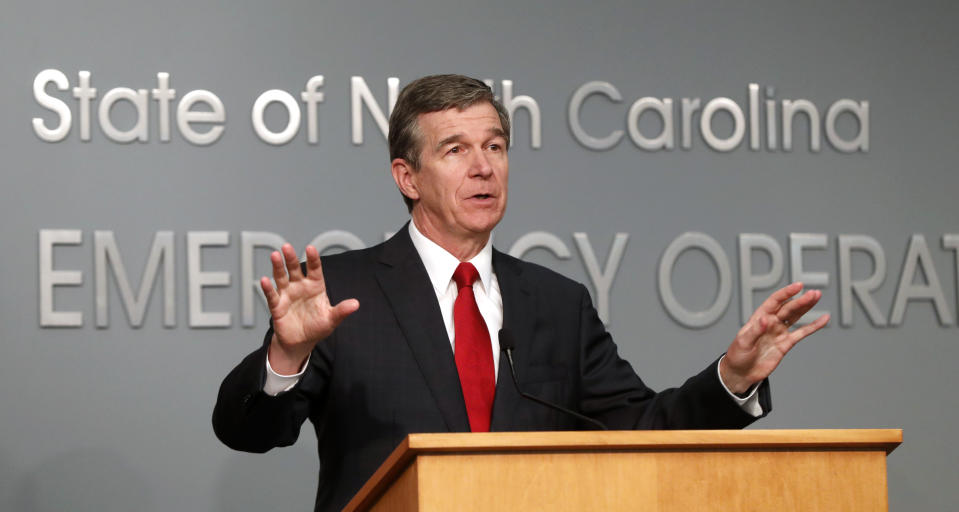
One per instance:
[(403, 176)]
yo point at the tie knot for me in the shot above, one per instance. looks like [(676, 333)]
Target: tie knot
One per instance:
[(465, 275)]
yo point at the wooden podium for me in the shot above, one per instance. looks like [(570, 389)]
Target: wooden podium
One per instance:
[(689, 470)]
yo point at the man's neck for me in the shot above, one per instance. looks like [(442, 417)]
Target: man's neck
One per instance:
[(464, 248)]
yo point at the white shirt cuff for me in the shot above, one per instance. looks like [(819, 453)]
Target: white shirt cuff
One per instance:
[(276, 383), (750, 404)]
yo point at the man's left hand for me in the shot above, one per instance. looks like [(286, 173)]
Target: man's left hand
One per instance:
[(765, 339)]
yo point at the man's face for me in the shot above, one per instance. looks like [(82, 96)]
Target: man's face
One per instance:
[(462, 180)]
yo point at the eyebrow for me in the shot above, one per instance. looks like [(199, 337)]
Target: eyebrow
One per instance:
[(495, 132)]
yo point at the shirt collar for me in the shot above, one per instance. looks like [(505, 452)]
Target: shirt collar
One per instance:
[(440, 264)]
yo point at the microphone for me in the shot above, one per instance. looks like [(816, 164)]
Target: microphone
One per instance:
[(506, 343)]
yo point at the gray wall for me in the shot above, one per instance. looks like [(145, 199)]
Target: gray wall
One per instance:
[(117, 418)]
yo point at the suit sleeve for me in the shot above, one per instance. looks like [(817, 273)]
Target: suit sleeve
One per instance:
[(246, 418), (615, 395)]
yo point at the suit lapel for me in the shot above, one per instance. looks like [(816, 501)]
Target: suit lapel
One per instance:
[(518, 317), (404, 281)]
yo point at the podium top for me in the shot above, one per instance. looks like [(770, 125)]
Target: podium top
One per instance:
[(847, 439), (624, 441)]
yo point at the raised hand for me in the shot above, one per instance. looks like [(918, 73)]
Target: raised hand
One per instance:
[(765, 339), (301, 310)]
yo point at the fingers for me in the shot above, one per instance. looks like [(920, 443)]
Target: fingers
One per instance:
[(793, 310), (344, 309), (292, 262), (272, 298), (314, 269), (775, 301), (286, 265), (279, 270), (808, 329), (753, 330), (797, 335)]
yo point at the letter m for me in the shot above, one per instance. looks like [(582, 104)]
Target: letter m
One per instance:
[(105, 250)]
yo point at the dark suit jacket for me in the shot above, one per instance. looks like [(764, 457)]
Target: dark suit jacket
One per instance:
[(388, 370)]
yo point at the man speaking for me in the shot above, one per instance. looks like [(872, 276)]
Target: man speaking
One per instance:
[(403, 337)]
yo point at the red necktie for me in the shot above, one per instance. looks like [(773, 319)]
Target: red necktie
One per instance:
[(473, 352)]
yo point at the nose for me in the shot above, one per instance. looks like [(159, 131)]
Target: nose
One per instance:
[(480, 166)]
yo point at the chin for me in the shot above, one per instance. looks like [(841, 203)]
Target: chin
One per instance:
[(484, 224)]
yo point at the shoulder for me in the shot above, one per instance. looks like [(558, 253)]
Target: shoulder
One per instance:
[(361, 261), (344, 261), (536, 277), (333, 264), (355, 267)]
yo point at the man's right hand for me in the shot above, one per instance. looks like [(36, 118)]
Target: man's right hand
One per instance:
[(301, 310)]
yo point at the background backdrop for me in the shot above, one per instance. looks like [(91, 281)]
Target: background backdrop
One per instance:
[(117, 417)]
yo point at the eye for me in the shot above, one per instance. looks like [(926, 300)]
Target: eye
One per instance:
[(454, 150), (495, 147)]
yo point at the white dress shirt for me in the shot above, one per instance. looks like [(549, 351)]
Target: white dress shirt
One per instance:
[(440, 265)]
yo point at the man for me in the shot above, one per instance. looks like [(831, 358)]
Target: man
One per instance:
[(402, 337)]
